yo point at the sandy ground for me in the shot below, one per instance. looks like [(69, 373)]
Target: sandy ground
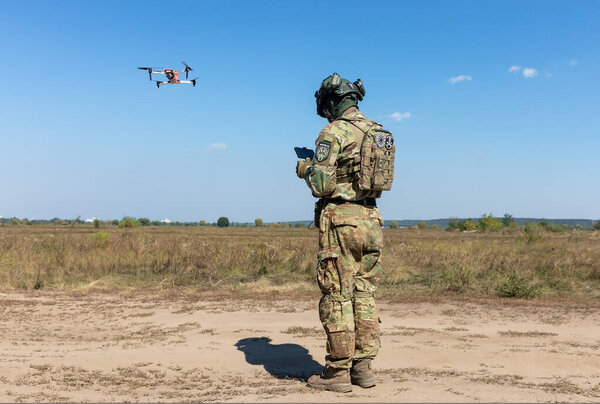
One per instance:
[(113, 347)]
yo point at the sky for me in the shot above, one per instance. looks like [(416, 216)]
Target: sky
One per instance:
[(494, 106)]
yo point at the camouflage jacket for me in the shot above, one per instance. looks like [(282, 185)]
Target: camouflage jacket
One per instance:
[(336, 150)]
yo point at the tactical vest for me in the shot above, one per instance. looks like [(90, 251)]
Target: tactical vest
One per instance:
[(373, 170)]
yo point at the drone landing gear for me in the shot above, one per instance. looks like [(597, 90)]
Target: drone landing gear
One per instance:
[(192, 82)]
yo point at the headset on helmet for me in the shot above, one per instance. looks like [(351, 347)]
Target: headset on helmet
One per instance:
[(339, 88)]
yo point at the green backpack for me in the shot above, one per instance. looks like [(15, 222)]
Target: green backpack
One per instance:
[(376, 169)]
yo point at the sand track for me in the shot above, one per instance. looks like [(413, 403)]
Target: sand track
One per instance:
[(113, 347)]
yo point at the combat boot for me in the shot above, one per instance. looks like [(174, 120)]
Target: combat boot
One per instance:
[(332, 379), (361, 373)]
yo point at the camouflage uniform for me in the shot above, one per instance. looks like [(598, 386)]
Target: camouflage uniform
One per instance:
[(350, 245)]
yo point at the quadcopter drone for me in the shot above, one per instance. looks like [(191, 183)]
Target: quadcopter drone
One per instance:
[(171, 75)]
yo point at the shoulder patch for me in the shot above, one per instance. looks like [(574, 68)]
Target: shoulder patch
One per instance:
[(322, 151)]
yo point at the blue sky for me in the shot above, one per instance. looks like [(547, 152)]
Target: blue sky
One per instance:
[(494, 106)]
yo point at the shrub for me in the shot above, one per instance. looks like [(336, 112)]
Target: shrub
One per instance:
[(202, 223), (514, 225), (144, 221), (457, 277), (275, 224), (516, 286), (128, 221), (223, 222), (299, 224), (101, 238), (489, 223), (115, 222), (597, 225), (468, 225), (435, 226), (555, 228), (258, 222), (393, 225), (96, 223), (422, 225), (532, 228)]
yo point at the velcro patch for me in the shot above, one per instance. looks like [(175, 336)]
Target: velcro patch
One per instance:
[(322, 151)]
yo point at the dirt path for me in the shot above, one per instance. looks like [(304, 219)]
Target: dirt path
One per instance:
[(103, 347)]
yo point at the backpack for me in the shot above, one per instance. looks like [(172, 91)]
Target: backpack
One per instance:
[(376, 169)]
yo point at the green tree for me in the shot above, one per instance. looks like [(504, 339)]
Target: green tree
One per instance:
[(597, 225), (507, 220), (115, 222), (223, 222), (202, 223), (96, 223), (129, 221), (258, 222), (422, 225), (144, 221), (489, 223), (393, 225), (454, 224), (543, 223)]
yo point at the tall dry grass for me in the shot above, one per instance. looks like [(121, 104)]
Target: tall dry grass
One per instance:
[(415, 261)]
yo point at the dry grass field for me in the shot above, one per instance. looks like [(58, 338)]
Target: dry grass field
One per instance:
[(209, 314), (505, 264)]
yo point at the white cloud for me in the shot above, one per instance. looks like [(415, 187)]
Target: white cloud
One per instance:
[(529, 72), (573, 62), (462, 77), (514, 69), (398, 116), (213, 146), (217, 146)]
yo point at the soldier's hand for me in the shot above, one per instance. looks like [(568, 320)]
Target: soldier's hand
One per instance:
[(302, 167)]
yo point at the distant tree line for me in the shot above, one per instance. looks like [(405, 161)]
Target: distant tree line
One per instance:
[(488, 222), (131, 222)]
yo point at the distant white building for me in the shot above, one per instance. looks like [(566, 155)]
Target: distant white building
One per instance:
[(91, 220), (166, 221)]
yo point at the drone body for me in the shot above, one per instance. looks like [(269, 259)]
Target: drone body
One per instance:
[(171, 75)]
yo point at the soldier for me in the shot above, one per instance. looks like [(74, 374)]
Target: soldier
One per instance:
[(352, 165)]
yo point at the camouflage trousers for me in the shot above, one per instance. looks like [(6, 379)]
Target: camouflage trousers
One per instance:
[(349, 262)]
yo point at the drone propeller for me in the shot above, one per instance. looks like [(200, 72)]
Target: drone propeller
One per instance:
[(187, 69), (150, 70)]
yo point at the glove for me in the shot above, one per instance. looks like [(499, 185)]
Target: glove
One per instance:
[(302, 167)]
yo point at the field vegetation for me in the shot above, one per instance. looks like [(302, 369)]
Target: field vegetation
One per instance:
[(530, 262)]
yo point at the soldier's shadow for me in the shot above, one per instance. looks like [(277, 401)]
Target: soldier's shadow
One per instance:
[(284, 361)]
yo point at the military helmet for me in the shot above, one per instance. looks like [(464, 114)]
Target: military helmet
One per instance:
[(335, 86)]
